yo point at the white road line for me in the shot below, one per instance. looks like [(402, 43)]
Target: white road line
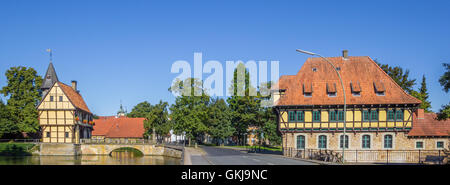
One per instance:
[(256, 160), (270, 164)]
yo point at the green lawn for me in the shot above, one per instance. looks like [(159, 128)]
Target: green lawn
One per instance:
[(15, 149)]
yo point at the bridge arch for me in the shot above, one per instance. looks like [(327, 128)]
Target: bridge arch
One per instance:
[(131, 149)]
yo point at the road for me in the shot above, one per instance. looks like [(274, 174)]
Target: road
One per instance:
[(226, 156)]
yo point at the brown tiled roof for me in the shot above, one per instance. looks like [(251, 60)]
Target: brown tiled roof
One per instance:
[(354, 69), (429, 126), (74, 97), (122, 127)]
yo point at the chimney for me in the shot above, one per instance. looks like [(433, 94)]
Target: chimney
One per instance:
[(345, 54), (74, 85), (420, 114)]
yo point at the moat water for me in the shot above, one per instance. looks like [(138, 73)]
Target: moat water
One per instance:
[(116, 158)]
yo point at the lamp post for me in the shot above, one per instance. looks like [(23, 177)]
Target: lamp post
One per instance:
[(343, 90)]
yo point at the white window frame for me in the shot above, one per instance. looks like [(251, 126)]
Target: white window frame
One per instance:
[(423, 144), (306, 140), (443, 145), (393, 141), (361, 141), (327, 143), (349, 141)]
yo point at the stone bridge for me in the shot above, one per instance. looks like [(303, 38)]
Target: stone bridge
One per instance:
[(146, 149)]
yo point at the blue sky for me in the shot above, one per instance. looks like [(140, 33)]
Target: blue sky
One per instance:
[(123, 50)]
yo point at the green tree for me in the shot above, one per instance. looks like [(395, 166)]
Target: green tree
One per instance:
[(444, 80), (267, 117), (399, 76), (244, 106), (7, 127), (219, 121), (422, 95), (157, 121), (141, 110), (23, 90), (189, 113)]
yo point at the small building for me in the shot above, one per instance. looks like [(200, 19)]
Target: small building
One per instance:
[(112, 128), (379, 114), (64, 116)]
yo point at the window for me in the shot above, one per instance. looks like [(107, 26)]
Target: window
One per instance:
[(440, 144), (395, 115), (380, 93), (390, 115), (51, 98), (366, 115), (343, 140), (356, 93), (336, 115), (365, 141), (341, 115), (370, 116), (300, 116), (419, 144), (300, 142), (322, 141), (291, 116), (332, 94), (387, 141), (374, 115), (399, 115), (316, 116), (308, 94), (60, 98), (47, 134), (66, 134), (333, 116)]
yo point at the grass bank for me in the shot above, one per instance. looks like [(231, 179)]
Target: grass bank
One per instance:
[(16, 149)]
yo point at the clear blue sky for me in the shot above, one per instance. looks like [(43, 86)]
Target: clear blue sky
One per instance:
[(123, 50)]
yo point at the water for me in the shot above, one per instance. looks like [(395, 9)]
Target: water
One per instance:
[(115, 159)]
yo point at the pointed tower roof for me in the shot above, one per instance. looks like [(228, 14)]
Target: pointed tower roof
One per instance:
[(50, 77)]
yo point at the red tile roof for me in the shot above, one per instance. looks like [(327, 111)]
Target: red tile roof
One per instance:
[(363, 71), (122, 127), (429, 126), (74, 97)]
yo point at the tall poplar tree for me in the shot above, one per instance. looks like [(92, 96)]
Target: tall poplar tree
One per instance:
[(422, 95)]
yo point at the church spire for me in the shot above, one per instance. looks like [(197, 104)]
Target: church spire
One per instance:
[(50, 76)]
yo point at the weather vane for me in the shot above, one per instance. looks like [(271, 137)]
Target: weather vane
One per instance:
[(50, 51)]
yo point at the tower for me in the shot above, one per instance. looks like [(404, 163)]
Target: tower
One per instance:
[(50, 77)]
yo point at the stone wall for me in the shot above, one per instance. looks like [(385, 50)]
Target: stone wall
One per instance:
[(59, 149), (106, 149), (400, 141)]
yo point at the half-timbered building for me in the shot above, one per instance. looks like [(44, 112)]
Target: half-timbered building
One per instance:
[(64, 116), (379, 113)]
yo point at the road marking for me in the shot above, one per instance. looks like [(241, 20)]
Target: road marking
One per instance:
[(270, 164), (256, 160)]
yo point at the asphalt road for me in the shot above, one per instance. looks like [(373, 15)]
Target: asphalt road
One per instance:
[(225, 156)]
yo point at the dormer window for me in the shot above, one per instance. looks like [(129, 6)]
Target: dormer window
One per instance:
[(314, 69), (356, 88), (379, 88), (307, 89), (331, 89)]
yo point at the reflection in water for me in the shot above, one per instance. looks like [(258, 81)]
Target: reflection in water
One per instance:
[(115, 159)]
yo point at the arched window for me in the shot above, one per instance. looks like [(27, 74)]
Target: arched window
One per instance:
[(387, 141), (322, 141), (342, 141), (366, 141), (300, 142)]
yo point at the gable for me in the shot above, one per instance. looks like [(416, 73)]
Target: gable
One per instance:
[(55, 93)]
